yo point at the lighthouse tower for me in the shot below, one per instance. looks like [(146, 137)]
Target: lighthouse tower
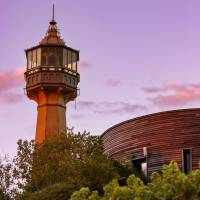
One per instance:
[(51, 81)]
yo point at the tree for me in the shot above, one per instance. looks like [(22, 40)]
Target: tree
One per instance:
[(172, 184), (68, 161), (6, 179)]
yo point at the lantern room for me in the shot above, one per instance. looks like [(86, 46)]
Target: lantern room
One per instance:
[(51, 62), (56, 56)]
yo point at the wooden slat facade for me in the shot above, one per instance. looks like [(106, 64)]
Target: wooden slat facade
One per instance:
[(165, 135)]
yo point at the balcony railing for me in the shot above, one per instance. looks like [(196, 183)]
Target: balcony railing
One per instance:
[(50, 68)]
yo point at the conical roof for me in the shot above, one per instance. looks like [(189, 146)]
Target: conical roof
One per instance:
[(52, 36)]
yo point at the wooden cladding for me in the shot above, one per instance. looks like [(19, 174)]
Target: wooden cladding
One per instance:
[(163, 136)]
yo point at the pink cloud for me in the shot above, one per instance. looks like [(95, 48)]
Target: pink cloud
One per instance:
[(113, 82), (10, 97), (167, 87), (176, 87), (174, 94), (11, 79), (9, 82), (84, 65), (179, 99)]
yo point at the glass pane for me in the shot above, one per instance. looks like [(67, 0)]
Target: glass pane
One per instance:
[(44, 56), (43, 60), (64, 57), (69, 59), (51, 56), (187, 160), (39, 57), (34, 58), (74, 60), (29, 59), (74, 66), (52, 60), (60, 56), (74, 57)]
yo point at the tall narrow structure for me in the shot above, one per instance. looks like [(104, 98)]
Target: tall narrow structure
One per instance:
[(51, 81)]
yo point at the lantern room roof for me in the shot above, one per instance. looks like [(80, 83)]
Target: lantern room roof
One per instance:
[(52, 36)]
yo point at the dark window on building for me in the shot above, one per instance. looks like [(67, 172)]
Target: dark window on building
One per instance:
[(187, 160), (140, 165)]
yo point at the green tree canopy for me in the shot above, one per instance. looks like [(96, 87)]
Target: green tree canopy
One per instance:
[(64, 163)]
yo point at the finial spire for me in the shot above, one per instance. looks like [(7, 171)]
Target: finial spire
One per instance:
[(52, 36), (53, 22), (53, 13)]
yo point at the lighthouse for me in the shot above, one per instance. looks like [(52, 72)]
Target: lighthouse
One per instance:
[(51, 81)]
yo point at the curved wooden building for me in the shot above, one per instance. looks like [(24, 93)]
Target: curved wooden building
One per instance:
[(153, 140)]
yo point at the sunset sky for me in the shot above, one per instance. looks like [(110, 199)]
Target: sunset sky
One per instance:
[(136, 57)]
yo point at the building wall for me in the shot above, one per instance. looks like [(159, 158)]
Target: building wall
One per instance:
[(164, 134)]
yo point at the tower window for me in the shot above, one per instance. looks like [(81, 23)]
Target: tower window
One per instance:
[(44, 60), (52, 60), (187, 165), (29, 59)]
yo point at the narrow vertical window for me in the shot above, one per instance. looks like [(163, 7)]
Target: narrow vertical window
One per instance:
[(29, 59), (69, 59), (39, 57), (74, 60), (34, 58), (187, 165), (64, 57)]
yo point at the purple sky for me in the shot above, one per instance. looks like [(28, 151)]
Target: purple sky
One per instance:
[(137, 57)]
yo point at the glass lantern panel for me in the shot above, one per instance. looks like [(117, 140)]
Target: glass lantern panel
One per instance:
[(34, 59), (43, 61), (38, 56), (69, 59), (74, 60), (44, 57), (64, 57), (60, 56), (52, 60), (51, 56), (29, 63)]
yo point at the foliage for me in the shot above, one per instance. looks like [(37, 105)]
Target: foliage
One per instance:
[(64, 163), (6, 179), (172, 184), (59, 191)]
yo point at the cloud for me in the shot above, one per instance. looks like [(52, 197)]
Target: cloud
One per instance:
[(106, 107), (10, 97), (174, 94), (11, 79), (151, 90), (9, 83), (87, 104), (84, 65), (170, 86), (113, 82)]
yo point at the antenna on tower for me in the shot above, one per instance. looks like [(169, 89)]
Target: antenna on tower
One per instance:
[(53, 22), (53, 13)]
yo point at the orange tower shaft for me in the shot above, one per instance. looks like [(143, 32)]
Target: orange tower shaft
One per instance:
[(51, 115)]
